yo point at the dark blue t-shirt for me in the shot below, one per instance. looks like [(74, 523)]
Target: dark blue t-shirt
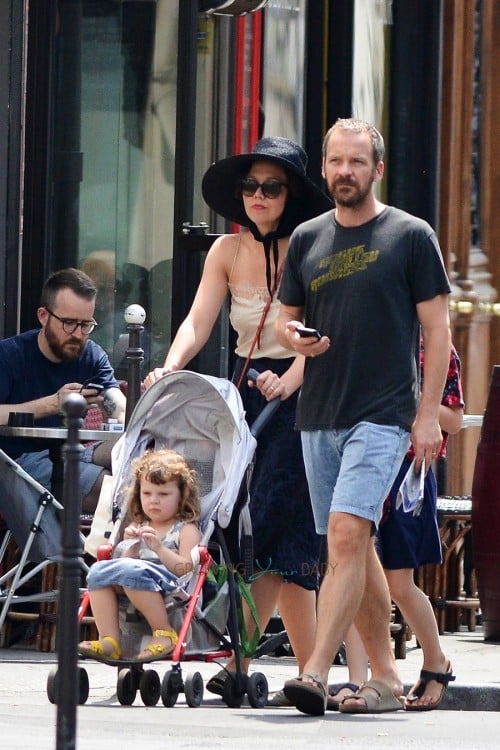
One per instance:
[(26, 374)]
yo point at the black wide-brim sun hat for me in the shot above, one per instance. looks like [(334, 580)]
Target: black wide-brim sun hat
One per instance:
[(221, 181)]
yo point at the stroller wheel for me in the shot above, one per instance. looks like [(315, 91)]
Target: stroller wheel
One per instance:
[(83, 686), (231, 697), (257, 690), (125, 687), (193, 689), (170, 688), (150, 687), (52, 686)]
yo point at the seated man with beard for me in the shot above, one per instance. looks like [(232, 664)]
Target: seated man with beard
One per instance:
[(39, 368)]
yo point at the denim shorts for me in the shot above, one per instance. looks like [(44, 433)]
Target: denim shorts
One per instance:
[(352, 470), (131, 573), (39, 467)]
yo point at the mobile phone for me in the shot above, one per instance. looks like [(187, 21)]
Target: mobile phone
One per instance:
[(306, 333), (95, 386)]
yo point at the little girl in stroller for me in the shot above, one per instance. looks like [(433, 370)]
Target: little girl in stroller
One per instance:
[(152, 558)]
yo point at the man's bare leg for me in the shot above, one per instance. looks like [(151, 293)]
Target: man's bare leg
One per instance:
[(341, 590)]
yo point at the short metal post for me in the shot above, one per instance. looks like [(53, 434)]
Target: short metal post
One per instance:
[(73, 407), (135, 315)]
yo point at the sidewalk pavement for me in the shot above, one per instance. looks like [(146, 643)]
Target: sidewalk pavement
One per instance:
[(476, 664), (28, 719)]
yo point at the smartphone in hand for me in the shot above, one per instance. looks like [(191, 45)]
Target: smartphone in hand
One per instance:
[(306, 333), (94, 386)]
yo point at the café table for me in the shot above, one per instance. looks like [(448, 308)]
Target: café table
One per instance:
[(57, 433), (53, 438)]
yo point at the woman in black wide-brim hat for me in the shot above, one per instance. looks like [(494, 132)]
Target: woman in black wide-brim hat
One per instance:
[(268, 193)]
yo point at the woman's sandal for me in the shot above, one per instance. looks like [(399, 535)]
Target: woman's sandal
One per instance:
[(443, 678), (95, 649), (216, 683), (333, 703), (279, 700), (154, 651)]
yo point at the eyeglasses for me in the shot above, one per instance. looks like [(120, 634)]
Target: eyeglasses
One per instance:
[(69, 325), (270, 188)]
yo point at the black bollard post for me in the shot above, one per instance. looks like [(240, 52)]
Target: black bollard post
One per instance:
[(73, 408), (135, 316)]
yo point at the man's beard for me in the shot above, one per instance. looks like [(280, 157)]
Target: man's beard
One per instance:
[(62, 352), (353, 199)]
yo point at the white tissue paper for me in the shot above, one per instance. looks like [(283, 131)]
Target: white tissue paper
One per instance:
[(411, 490)]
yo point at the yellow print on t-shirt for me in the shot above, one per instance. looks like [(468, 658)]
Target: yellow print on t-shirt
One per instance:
[(345, 263)]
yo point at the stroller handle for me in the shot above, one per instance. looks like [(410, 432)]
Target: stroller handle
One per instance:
[(266, 413)]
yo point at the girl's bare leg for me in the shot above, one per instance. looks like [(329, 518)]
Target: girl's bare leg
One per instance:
[(104, 603), (357, 662), (152, 605), (418, 613)]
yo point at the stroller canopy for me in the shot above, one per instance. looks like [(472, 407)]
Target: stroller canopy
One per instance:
[(202, 418)]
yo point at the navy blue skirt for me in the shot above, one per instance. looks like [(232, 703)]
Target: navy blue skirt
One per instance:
[(405, 540), (284, 537)]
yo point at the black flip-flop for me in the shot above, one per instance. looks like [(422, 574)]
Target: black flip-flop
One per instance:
[(443, 678)]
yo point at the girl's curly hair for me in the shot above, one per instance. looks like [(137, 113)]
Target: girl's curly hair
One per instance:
[(160, 467)]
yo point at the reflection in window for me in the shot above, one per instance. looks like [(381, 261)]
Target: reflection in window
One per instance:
[(369, 64), (370, 89), (283, 70)]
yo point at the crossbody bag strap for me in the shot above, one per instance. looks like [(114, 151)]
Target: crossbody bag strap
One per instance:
[(256, 338)]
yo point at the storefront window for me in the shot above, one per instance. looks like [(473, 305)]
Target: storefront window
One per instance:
[(127, 120)]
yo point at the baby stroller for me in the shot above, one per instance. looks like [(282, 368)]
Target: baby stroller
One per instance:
[(202, 418)]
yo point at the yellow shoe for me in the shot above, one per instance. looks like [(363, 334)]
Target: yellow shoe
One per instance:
[(154, 651), (95, 649)]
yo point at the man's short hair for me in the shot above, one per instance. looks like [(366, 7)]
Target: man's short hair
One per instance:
[(358, 126), (68, 278)]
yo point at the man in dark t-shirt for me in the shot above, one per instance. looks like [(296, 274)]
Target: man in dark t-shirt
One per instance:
[(39, 368), (366, 276)]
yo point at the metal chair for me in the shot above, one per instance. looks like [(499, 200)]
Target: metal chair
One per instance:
[(29, 553)]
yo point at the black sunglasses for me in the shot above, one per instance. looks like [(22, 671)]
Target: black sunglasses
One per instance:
[(270, 188)]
